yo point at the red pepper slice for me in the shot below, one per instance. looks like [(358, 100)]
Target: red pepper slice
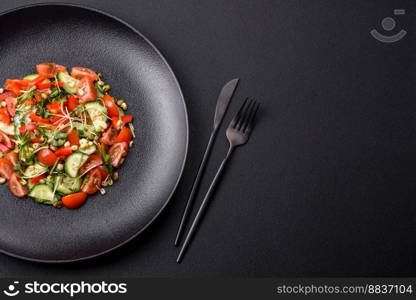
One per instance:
[(44, 86), (54, 107), (63, 152), (37, 178), (72, 103), (37, 119), (37, 80), (124, 119)]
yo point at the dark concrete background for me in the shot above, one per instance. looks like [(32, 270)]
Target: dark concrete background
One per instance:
[(326, 185)]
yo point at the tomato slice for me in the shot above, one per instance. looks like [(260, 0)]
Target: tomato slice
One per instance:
[(93, 161), (86, 90), (47, 157), (104, 172), (16, 187), (4, 116), (109, 103), (93, 183), (4, 148), (125, 135), (5, 139), (80, 72), (5, 95), (109, 136), (63, 152), (74, 200), (6, 168), (73, 137), (73, 103), (37, 178), (13, 157), (117, 152), (49, 70), (11, 103)]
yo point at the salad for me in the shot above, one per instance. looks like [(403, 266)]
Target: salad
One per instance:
[(62, 135)]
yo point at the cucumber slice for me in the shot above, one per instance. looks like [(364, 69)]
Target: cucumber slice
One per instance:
[(70, 84), (42, 192), (68, 185), (34, 171), (89, 150), (8, 129), (74, 162), (31, 76), (34, 76), (98, 115)]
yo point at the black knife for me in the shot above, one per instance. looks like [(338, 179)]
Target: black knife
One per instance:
[(223, 101)]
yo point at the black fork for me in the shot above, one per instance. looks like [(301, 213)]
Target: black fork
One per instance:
[(238, 133)]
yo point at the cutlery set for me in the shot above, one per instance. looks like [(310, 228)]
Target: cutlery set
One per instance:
[(237, 133)]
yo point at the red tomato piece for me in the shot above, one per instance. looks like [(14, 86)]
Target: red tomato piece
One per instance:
[(117, 152), (80, 72), (125, 135), (104, 172), (6, 168), (4, 148), (4, 116), (6, 140), (47, 157), (13, 157), (49, 70), (86, 90), (93, 161), (73, 137), (16, 187), (5, 95), (11, 103), (109, 136), (74, 200), (109, 103), (93, 183)]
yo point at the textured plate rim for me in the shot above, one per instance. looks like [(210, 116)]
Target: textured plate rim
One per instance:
[(6, 12)]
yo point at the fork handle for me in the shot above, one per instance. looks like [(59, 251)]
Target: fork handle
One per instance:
[(203, 206)]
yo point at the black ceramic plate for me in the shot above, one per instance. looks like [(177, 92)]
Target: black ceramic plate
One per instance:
[(72, 36)]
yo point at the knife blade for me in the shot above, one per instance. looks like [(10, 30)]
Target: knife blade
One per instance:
[(223, 102)]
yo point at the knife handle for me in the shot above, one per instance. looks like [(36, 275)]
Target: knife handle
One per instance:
[(195, 186)]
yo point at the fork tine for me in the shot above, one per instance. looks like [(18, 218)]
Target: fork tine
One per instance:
[(244, 115), (235, 120), (253, 113), (244, 121)]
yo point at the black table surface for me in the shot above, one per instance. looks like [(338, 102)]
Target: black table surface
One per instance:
[(326, 185)]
